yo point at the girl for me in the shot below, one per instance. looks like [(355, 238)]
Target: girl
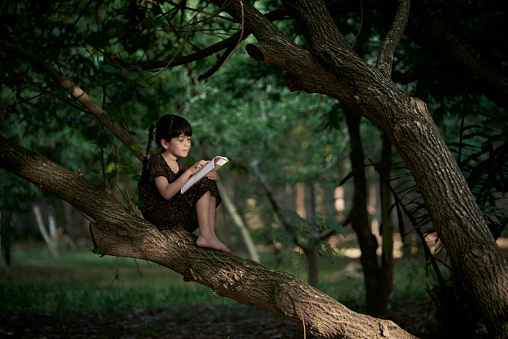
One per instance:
[(164, 175)]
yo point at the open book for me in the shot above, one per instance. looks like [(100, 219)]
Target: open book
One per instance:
[(215, 163)]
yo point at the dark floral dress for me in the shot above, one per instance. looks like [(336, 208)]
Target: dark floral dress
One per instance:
[(181, 208)]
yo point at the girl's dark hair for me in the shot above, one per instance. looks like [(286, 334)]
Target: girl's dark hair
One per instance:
[(171, 126), (168, 127)]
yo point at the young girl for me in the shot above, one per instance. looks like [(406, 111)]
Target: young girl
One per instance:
[(164, 175)]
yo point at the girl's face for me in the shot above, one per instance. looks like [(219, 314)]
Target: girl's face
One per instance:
[(178, 146)]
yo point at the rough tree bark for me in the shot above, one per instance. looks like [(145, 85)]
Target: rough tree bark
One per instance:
[(119, 232)]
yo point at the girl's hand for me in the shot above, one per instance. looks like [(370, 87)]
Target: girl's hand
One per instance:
[(197, 166), (212, 175)]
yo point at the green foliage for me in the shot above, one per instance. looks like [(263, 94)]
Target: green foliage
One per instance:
[(319, 223), (303, 231)]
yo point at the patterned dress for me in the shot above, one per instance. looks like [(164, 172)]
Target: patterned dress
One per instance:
[(181, 208)]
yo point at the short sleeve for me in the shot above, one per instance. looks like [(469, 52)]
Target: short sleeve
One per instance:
[(157, 169)]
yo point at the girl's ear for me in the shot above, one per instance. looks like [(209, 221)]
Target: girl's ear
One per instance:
[(164, 144)]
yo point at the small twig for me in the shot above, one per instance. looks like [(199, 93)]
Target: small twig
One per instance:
[(117, 276), (193, 275), (139, 271), (361, 24), (303, 323)]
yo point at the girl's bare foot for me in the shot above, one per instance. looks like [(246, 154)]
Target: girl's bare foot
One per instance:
[(226, 249), (211, 242)]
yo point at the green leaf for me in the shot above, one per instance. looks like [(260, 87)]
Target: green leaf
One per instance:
[(97, 250), (110, 175), (294, 219), (135, 146), (126, 162), (111, 69), (139, 203), (333, 224), (298, 261)]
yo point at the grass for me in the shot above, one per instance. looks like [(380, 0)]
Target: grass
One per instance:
[(37, 282), (77, 282)]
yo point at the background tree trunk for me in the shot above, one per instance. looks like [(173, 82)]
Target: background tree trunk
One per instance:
[(237, 219), (375, 285), (386, 227), (5, 236)]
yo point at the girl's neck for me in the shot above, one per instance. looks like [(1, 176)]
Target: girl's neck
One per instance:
[(171, 161), (169, 156)]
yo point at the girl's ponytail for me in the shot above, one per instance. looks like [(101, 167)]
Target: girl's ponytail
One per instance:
[(150, 138)]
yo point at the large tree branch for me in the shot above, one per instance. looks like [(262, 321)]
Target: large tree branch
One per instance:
[(93, 108), (119, 232)]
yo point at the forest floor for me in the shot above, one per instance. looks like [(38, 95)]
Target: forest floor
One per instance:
[(173, 322), (193, 322)]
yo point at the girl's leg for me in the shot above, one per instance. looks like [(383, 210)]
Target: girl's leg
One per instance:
[(212, 206), (207, 236)]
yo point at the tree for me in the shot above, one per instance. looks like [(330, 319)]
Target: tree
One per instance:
[(323, 63)]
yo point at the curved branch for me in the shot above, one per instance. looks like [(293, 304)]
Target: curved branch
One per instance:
[(385, 56), (119, 232), (93, 108)]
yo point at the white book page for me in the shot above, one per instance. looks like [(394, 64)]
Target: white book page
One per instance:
[(215, 162)]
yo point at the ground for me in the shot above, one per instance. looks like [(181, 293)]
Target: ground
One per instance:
[(195, 322), (242, 323)]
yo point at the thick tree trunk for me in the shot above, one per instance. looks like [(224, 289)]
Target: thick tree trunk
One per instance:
[(477, 261), (119, 232)]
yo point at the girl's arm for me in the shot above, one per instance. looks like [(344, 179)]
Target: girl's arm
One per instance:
[(168, 190), (212, 175)]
